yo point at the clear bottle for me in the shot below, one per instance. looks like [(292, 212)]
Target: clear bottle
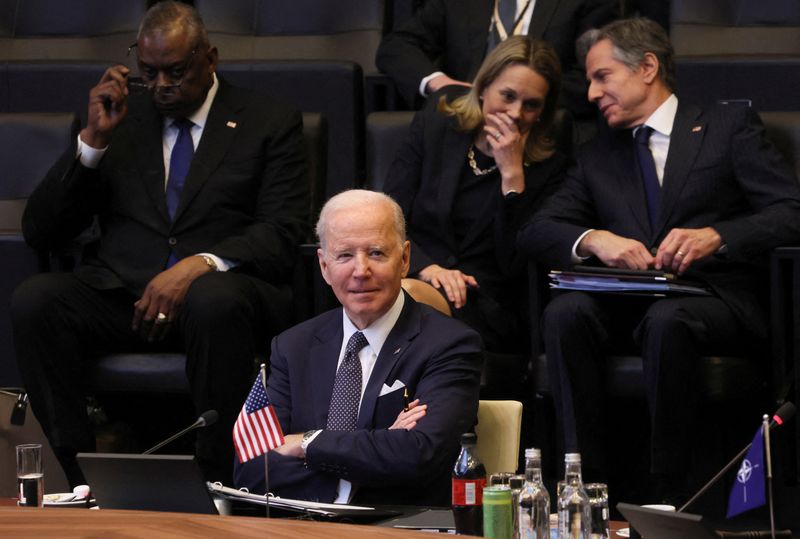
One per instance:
[(574, 510), (533, 512), (469, 478)]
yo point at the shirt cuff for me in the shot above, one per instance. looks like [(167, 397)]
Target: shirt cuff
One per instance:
[(424, 84), (575, 257), (89, 157), (222, 264)]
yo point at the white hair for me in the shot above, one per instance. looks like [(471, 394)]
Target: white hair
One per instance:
[(355, 200)]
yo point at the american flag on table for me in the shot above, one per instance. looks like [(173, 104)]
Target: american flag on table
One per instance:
[(257, 429)]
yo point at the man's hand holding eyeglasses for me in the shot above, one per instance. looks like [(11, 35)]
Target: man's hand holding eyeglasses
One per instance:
[(108, 105)]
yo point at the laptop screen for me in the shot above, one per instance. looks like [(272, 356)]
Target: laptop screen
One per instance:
[(147, 482)]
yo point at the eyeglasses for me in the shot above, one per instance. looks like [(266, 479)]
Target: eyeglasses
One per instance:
[(147, 83)]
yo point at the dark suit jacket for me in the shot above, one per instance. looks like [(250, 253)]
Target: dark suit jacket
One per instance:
[(451, 36), (720, 172), (245, 197), (424, 179), (436, 357)]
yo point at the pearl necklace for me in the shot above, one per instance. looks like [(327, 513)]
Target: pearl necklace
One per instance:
[(474, 165)]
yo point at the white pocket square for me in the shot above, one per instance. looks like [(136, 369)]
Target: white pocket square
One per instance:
[(385, 390)]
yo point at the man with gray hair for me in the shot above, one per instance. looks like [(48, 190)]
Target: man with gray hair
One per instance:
[(200, 192), (373, 396), (669, 187)]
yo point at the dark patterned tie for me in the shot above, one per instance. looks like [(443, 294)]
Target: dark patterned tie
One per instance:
[(652, 189), (346, 398), (180, 159)]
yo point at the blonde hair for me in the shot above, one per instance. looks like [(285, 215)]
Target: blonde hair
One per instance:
[(517, 50)]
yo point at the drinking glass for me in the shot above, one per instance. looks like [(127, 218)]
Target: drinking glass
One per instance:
[(30, 475), (598, 500)]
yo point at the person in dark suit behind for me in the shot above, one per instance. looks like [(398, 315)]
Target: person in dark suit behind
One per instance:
[(707, 197), (200, 194), (393, 436), (474, 167), (446, 41)]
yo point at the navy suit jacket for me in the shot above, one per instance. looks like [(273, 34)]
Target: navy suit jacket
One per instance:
[(451, 36), (439, 361), (720, 172), (245, 198)]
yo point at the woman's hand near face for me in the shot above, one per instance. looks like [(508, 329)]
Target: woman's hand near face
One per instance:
[(508, 149)]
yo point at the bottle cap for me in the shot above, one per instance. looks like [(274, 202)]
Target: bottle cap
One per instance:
[(572, 457), (469, 438), (533, 453)]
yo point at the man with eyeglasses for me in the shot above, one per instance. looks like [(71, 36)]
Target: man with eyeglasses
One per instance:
[(199, 195)]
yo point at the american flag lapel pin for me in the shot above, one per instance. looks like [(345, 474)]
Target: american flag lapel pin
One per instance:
[(697, 128), (231, 124)]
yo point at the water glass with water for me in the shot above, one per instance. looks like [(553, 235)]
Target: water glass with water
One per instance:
[(30, 475)]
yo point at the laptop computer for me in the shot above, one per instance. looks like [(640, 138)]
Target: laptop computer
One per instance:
[(657, 524), (147, 482)]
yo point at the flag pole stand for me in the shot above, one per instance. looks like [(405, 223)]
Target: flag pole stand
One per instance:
[(266, 480), (765, 421), (263, 374)]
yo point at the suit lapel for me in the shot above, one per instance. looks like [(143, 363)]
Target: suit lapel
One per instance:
[(685, 141), (395, 347), (323, 358), (542, 13), (218, 135), (146, 140)]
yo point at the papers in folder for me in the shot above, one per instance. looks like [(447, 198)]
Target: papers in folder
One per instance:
[(648, 282), (301, 506)]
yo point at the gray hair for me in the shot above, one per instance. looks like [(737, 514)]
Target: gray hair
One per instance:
[(632, 39), (355, 200), (169, 15)]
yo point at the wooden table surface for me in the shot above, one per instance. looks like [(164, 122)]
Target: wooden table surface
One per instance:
[(77, 522)]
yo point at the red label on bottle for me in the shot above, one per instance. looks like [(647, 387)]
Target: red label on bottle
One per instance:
[(468, 491)]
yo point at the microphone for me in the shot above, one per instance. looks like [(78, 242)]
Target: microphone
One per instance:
[(765, 534), (784, 414), (206, 419)]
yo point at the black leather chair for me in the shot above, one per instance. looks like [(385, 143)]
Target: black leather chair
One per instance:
[(29, 144)]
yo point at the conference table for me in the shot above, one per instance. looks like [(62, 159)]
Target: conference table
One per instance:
[(78, 522)]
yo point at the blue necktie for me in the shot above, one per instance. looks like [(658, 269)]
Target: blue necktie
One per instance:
[(346, 397), (652, 189), (179, 163)]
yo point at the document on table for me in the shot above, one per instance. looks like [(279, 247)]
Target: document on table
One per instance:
[(597, 279)]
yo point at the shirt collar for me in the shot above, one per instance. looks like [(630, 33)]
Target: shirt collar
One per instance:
[(200, 116), (378, 331), (663, 117)]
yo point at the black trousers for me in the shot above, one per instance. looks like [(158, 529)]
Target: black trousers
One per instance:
[(671, 335), (61, 325)]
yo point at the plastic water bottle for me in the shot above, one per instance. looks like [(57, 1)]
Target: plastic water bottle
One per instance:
[(534, 501), (574, 510)]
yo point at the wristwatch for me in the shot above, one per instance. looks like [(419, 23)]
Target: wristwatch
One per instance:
[(307, 437), (210, 262)]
